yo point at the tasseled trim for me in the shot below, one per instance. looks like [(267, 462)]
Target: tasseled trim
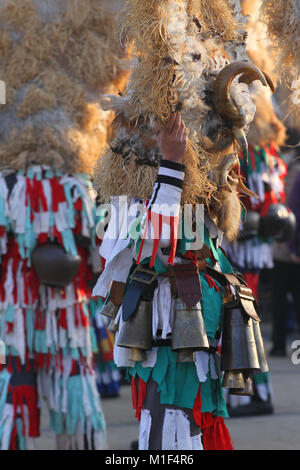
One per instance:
[(157, 221), (25, 395), (138, 394), (214, 431), (174, 231)]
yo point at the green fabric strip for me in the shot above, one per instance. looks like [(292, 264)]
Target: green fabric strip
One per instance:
[(178, 383), (263, 378)]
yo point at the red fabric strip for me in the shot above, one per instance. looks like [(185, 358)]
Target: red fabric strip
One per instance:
[(174, 230), (134, 392), (141, 398), (215, 434), (156, 225)]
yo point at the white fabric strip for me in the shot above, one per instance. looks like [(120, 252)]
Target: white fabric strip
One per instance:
[(202, 365), (162, 308), (169, 431), (176, 432), (197, 442), (145, 428)]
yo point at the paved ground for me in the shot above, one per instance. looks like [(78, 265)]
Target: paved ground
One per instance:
[(279, 431)]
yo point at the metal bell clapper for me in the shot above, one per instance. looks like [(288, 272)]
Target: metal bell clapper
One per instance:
[(136, 333), (189, 333)]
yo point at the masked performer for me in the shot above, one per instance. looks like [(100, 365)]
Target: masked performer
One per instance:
[(167, 293), (56, 61)]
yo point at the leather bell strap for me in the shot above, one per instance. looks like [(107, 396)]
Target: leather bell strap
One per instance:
[(187, 281), (140, 280), (116, 292), (244, 293), (245, 296)]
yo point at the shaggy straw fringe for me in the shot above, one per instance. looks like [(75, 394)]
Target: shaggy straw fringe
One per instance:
[(259, 46), (61, 67), (115, 177), (283, 25), (216, 18), (144, 25), (153, 94)]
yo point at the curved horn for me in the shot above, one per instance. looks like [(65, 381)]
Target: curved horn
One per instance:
[(248, 79), (241, 138), (227, 163), (244, 190), (222, 100)]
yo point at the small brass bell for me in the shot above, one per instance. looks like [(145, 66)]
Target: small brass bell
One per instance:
[(189, 331), (186, 355), (264, 367), (233, 379), (136, 333), (109, 309), (247, 390), (113, 326)]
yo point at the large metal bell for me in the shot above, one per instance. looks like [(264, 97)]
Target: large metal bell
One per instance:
[(239, 352), (54, 266), (189, 331), (136, 333), (264, 367)]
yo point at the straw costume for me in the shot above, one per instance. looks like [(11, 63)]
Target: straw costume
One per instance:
[(56, 61), (165, 296)]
